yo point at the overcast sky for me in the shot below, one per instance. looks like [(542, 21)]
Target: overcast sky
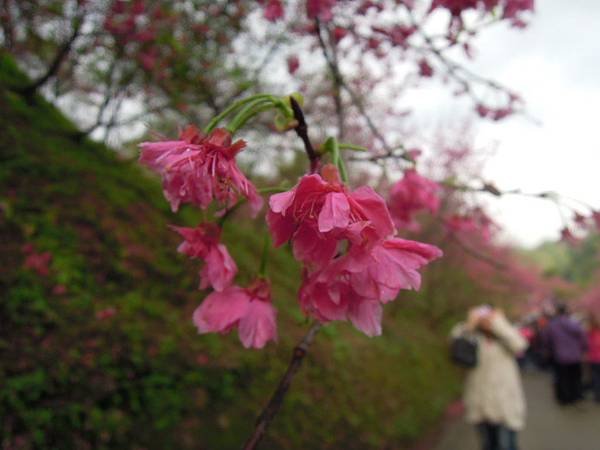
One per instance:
[(555, 65)]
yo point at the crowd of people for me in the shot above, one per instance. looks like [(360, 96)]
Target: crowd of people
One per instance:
[(568, 346), (496, 351)]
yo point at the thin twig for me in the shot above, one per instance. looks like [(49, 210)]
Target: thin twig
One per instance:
[(302, 132), (476, 254), (271, 409), (336, 75), (58, 60), (339, 84)]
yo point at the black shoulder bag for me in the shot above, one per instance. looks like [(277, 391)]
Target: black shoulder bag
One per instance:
[(464, 351)]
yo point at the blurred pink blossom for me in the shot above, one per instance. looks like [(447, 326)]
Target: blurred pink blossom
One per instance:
[(293, 63), (274, 10), (413, 193), (39, 262), (106, 313)]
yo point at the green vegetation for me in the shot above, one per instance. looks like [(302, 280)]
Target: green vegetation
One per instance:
[(575, 263), (143, 378)]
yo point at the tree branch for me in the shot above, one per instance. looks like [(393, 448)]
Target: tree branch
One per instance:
[(269, 412), (476, 254), (338, 81), (58, 60), (302, 132)]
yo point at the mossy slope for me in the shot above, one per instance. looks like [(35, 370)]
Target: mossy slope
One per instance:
[(101, 352)]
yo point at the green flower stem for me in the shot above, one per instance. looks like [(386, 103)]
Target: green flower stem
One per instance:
[(337, 159), (232, 108), (277, 189), (249, 111), (262, 271)]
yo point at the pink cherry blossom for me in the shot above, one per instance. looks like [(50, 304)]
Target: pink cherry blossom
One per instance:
[(199, 169), (317, 213), (293, 63), (460, 224), (106, 313), (203, 243), (250, 310), (425, 69), (355, 285), (596, 217), (320, 9), (568, 237), (339, 33), (59, 289), (274, 10), (514, 8), (476, 223), (413, 193), (39, 262)]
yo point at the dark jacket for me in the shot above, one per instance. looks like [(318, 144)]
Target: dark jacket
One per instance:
[(566, 340)]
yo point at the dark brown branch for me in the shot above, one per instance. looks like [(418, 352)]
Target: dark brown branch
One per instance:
[(302, 132), (269, 412), (59, 59)]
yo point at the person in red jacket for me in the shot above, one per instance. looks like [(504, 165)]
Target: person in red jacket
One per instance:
[(593, 356)]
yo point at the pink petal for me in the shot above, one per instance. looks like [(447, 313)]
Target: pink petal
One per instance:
[(279, 203), (219, 269), (373, 208), (310, 246), (281, 227), (335, 212), (258, 326), (366, 315), (220, 311)]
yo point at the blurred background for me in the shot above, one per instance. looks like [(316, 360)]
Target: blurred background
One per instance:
[(494, 100)]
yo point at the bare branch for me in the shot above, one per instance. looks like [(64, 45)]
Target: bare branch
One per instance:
[(274, 405), (477, 254), (59, 58), (302, 132), (334, 69)]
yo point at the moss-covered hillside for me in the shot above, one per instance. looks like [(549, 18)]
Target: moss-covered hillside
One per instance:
[(97, 348)]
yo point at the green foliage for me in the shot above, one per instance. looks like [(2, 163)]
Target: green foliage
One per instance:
[(143, 378), (578, 264)]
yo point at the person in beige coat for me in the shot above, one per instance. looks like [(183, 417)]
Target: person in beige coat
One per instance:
[(493, 396)]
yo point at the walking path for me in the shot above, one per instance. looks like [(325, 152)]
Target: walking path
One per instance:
[(548, 427)]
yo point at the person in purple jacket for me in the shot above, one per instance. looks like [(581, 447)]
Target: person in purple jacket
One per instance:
[(566, 340)]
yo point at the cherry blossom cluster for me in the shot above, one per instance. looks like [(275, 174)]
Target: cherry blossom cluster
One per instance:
[(201, 169), (319, 216), (352, 260), (581, 224), (513, 10), (474, 222)]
